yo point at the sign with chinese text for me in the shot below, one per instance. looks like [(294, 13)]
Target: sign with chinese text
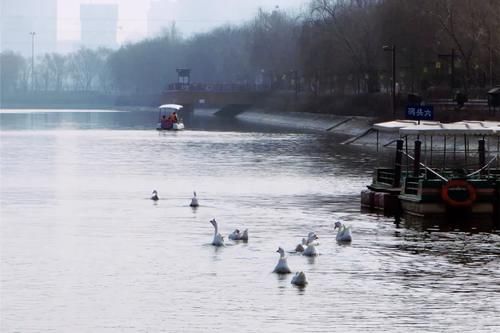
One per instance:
[(420, 112)]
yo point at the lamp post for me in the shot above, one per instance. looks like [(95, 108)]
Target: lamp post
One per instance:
[(32, 33), (295, 82), (393, 90)]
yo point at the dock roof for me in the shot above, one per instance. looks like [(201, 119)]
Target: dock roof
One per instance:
[(410, 127)]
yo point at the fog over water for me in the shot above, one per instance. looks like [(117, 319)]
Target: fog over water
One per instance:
[(84, 249)]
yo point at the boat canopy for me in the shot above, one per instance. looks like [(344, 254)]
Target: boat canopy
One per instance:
[(479, 128), (171, 106)]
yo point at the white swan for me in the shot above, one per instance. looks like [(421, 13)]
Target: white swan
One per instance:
[(300, 247), (218, 239), (244, 235), (238, 235), (235, 235), (282, 266), (311, 235), (344, 234), (194, 201), (299, 279), (155, 196), (310, 250)]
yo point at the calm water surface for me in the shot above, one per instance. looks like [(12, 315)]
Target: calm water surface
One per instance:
[(83, 249)]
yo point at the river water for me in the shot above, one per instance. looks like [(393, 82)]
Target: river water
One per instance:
[(84, 249)]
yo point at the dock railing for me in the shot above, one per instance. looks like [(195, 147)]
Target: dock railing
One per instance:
[(385, 176), (411, 185)]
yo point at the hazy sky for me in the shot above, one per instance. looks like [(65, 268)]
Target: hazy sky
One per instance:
[(133, 15)]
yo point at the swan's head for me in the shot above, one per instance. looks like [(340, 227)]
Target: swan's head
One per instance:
[(337, 225), (194, 193), (236, 231), (312, 237), (214, 223), (245, 232), (281, 251), (299, 279), (155, 196)]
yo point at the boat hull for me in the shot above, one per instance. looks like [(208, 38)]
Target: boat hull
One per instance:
[(175, 127)]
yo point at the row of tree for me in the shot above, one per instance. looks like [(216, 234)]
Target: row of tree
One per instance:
[(335, 46), (84, 70)]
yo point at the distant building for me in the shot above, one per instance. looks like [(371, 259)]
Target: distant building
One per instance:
[(67, 46), (18, 18), (99, 25)]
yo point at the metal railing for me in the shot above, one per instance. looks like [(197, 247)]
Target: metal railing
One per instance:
[(486, 166), (426, 167)]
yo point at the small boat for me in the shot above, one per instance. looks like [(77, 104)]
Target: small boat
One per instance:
[(168, 119)]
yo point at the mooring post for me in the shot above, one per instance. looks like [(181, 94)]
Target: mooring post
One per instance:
[(397, 163), (416, 161), (497, 206), (482, 156)]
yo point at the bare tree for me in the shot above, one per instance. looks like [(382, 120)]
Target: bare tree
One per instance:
[(274, 42), (354, 29), (12, 66), (85, 67), (462, 22)]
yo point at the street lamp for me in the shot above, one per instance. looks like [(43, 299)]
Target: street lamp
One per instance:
[(295, 81), (32, 33), (393, 50)]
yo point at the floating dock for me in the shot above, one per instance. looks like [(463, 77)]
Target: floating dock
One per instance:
[(439, 170)]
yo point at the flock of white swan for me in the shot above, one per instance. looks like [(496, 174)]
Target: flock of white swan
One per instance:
[(307, 247)]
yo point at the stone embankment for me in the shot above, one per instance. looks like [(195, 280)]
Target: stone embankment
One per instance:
[(335, 124)]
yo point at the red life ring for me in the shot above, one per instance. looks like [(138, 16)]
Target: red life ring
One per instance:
[(458, 183)]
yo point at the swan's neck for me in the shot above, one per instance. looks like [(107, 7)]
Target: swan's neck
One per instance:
[(216, 229)]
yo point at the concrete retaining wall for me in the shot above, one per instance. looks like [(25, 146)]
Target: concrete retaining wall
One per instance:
[(346, 125)]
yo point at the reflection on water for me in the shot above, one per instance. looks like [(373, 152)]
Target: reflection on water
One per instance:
[(84, 249)]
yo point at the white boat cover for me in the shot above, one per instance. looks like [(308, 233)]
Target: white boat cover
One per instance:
[(171, 106)]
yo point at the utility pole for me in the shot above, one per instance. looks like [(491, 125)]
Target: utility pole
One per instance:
[(491, 59), (393, 50), (32, 33), (295, 82), (452, 68)]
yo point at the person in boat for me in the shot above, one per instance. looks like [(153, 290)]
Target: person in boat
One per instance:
[(163, 122), (174, 117), (166, 123)]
